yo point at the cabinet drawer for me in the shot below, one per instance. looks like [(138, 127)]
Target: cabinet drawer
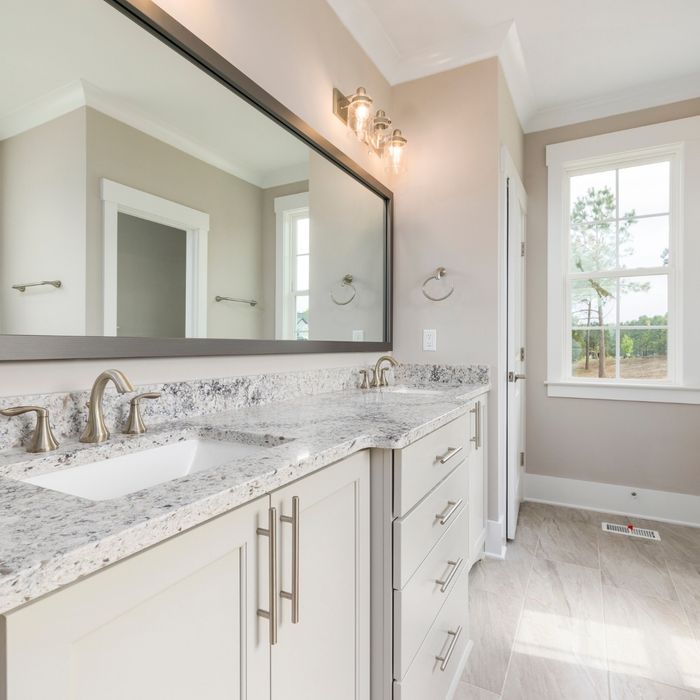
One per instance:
[(418, 467), (428, 677), (417, 532), (417, 605)]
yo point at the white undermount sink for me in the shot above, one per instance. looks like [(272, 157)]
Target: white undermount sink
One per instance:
[(411, 390), (119, 476)]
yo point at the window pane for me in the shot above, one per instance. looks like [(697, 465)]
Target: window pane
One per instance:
[(302, 272), (644, 301), (588, 347), (302, 236), (593, 302), (587, 189), (302, 317), (644, 243), (592, 247), (644, 354), (645, 189)]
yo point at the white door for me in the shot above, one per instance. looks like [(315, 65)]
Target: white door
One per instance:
[(323, 652), (515, 453), (178, 621)]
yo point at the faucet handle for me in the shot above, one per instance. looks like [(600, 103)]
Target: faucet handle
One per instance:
[(383, 381), (42, 439), (135, 424), (365, 379)]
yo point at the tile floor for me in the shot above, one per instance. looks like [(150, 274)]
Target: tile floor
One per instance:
[(578, 614)]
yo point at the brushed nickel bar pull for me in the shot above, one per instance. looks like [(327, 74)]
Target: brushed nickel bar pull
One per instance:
[(444, 660), (251, 302), (23, 287), (475, 411), (294, 595), (478, 417), (451, 452), (452, 507), (445, 583), (271, 532)]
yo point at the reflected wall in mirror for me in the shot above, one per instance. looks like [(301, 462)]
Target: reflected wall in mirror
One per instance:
[(165, 204)]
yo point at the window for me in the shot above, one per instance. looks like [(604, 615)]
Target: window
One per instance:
[(293, 268), (622, 250), (620, 269)]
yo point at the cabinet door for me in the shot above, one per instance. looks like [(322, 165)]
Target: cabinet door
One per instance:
[(177, 621), (325, 654), (477, 480)]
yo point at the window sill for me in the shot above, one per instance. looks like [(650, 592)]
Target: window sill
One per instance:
[(655, 393)]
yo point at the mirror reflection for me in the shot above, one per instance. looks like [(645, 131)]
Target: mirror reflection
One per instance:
[(141, 198)]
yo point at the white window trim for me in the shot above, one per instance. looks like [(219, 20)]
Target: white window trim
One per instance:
[(285, 208), (653, 141)]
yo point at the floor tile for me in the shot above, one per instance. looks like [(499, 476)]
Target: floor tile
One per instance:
[(636, 565), (677, 541), (542, 678), (471, 692), (650, 638), (634, 688), (569, 542), (686, 578), (508, 577), (493, 620)]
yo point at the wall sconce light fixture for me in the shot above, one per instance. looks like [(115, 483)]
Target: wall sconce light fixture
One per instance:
[(356, 112)]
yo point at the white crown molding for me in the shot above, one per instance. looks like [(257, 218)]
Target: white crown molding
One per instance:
[(44, 109), (81, 93), (641, 97)]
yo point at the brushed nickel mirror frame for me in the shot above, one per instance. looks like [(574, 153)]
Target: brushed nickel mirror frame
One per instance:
[(52, 347)]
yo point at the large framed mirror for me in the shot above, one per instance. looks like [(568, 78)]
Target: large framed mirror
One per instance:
[(154, 201)]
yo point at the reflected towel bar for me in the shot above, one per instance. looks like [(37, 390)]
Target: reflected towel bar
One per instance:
[(23, 287), (251, 302)]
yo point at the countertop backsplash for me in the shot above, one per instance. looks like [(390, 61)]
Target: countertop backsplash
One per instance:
[(200, 397)]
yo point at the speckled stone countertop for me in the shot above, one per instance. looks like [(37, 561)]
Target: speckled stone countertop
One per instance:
[(49, 539)]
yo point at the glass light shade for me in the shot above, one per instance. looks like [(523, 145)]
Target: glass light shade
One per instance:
[(395, 152), (379, 131), (360, 114)]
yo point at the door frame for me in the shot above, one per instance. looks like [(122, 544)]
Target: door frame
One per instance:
[(511, 185), (122, 199)]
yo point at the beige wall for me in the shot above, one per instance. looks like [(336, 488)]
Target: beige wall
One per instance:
[(121, 153), (447, 214), (646, 445), (42, 225), (346, 220), (298, 56)]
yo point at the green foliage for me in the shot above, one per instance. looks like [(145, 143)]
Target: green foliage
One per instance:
[(626, 345)]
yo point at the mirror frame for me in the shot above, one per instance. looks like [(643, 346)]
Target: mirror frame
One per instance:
[(52, 347)]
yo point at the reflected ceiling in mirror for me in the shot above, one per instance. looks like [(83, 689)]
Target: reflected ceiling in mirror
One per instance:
[(141, 198)]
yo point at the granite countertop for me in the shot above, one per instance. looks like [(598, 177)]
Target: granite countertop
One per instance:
[(49, 539)]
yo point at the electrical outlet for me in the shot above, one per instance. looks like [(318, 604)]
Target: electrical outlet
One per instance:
[(358, 335), (430, 339)]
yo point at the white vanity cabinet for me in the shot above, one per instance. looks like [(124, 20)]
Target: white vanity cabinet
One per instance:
[(177, 621), (181, 620), (478, 479)]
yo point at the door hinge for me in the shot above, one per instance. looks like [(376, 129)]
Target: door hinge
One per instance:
[(522, 354), (522, 249), (522, 459)]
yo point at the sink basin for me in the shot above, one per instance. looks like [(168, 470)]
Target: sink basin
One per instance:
[(411, 390), (119, 476)]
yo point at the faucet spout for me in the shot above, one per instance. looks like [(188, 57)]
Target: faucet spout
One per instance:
[(96, 430), (378, 378)]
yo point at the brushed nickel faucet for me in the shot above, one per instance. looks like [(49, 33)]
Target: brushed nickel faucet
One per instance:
[(379, 372), (96, 430), (134, 424), (42, 439)]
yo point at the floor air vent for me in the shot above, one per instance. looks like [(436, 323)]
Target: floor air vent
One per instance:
[(632, 531)]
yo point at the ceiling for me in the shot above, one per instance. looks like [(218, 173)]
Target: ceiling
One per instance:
[(82, 52), (565, 61)]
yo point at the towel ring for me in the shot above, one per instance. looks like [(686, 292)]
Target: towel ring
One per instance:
[(345, 282), (437, 275)]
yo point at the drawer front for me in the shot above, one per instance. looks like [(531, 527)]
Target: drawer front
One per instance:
[(416, 533), (425, 463), (448, 638), (418, 604)]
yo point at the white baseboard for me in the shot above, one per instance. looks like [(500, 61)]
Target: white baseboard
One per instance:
[(664, 506), (495, 546)]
